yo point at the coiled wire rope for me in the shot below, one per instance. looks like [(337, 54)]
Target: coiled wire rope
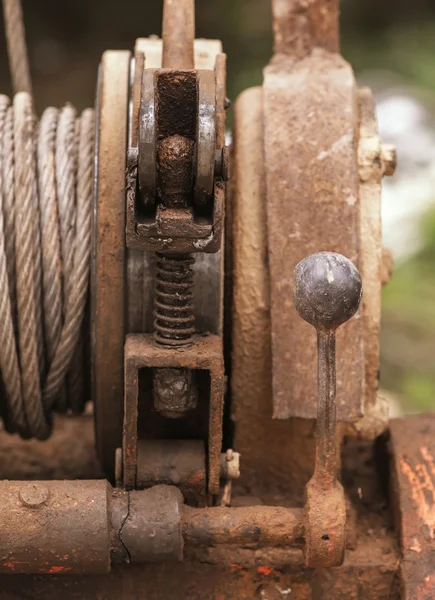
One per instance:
[(46, 186)]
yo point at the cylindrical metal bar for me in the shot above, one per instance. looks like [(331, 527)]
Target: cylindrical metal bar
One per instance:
[(263, 525), (173, 462), (54, 527), (301, 26), (80, 527), (178, 34), (152, 530), (326, 448)]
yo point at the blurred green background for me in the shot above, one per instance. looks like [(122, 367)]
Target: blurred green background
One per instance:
[(391, 44)]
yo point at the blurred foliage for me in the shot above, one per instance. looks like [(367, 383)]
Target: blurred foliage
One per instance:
[(407, 51), (408, 326), (66, 39)]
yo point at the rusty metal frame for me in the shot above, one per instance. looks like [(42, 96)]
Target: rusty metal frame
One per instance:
[(205, 353), (176, 230)]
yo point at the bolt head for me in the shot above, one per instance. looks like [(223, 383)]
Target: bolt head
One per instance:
[(388, 159), (33, 495), (327, 289)]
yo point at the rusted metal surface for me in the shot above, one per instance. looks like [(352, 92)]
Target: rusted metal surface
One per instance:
[(413, 496), (54, 527), (257, 525), (267, 445), (79, 527), (310, 139), (178, 34), (208, 268), (205, 354), (370, 251), (300, 26), (152, 530), (175, 391), (174, 159), (108, 259), (326, 294), (370, 570), (173, 462), (201, 581), (178, 108)]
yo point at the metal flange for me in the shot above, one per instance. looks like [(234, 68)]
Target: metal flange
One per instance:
[(108, 255)]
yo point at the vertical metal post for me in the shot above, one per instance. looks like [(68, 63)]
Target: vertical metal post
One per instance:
[(326, 448), (300, 26), (178, 34)]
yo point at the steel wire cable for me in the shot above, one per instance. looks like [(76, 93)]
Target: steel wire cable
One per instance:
[(46, 182)]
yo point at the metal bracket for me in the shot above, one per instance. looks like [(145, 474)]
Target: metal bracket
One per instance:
[(175, 150), (142, 353)]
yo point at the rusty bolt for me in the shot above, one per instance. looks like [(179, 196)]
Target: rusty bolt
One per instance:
[(327, 293), (230, 464), (175, 392), (388, 159), (33, 495)]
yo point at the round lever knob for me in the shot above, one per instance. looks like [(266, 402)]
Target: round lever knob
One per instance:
[(327, 289)]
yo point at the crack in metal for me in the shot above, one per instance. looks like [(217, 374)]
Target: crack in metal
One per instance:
[(128, 559)]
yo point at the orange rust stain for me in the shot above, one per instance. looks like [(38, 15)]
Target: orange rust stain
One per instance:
[(428, 457), (237, 567), (56, 569), (422, 483), (195, 478), (265, 570)]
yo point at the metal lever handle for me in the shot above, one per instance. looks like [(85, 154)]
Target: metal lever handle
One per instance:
[(327, 292)]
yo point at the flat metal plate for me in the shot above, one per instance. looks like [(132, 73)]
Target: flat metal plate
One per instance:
[(310, 139)]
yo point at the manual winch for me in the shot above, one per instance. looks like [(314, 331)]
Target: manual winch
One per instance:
[(122, 239)]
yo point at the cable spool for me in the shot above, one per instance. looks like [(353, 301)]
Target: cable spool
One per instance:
[(46, 183)]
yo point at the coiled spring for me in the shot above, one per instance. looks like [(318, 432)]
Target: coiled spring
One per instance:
[(173, 305)]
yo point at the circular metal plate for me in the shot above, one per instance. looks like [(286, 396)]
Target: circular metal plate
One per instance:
[(108, 256)]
